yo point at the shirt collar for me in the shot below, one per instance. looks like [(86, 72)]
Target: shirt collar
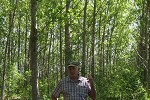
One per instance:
[(79, 79)]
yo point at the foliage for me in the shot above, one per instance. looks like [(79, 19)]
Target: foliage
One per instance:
[(122, 84)]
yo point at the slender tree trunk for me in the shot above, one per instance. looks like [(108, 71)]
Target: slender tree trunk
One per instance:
[(84, 41), (103, 48), (93, 39), (48, 70), (143, 46), (33, 52), (26, 59), (67, 37), (19, 42), (100, 46), (4, 70), (60, 49), (111, 30), (60, 45), (148, 24)]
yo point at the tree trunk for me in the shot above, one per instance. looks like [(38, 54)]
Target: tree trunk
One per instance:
[(26, 59), (48, 70), (33, 52), (60, 49), (67, 37), (19, 41), (84, 42), (148, 12), (4, 70), (103, 51), (60, 43), (143, 46), (93, 39)]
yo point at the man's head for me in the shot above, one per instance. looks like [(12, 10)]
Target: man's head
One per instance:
[(73, 69)]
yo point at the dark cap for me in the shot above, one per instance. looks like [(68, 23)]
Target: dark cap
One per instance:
[(73, 64)]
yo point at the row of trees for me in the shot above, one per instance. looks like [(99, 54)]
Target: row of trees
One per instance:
[(109, 37)]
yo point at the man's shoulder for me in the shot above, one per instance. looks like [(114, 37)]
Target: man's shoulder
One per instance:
[(82, 78)]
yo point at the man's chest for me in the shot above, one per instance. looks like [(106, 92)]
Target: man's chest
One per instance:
[(75, 89)]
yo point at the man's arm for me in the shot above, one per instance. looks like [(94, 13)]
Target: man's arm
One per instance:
[(57, 91), (93, 92)]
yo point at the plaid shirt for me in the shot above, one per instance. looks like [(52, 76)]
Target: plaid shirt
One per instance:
[(72, 90)]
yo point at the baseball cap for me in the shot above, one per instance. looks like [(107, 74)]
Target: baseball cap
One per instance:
[(73, 64)]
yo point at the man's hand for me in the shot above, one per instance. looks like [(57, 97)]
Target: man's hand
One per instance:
[(93, 92), (54, 98), (90, 79)]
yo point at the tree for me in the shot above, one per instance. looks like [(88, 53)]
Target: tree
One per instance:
[(67, 35), (93, 40), (84, 41), (148, 25), (61, 40), (143, 44), (33, 52)]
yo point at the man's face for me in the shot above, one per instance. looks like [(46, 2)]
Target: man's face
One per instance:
[(73, 71)]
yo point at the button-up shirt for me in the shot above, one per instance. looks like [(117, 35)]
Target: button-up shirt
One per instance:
[(73, 90)]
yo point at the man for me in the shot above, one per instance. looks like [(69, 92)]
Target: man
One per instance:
[(75, 87)]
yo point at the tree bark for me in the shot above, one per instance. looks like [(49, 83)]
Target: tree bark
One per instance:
[(67, 37), (148, 12), (143, 46), (33, 52), (84, 41), (48, 70), (4, 70), (19, 36), (60, 43), (93, 40)]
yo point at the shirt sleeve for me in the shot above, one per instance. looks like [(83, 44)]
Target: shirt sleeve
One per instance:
[(89, 88), (57, 90)]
